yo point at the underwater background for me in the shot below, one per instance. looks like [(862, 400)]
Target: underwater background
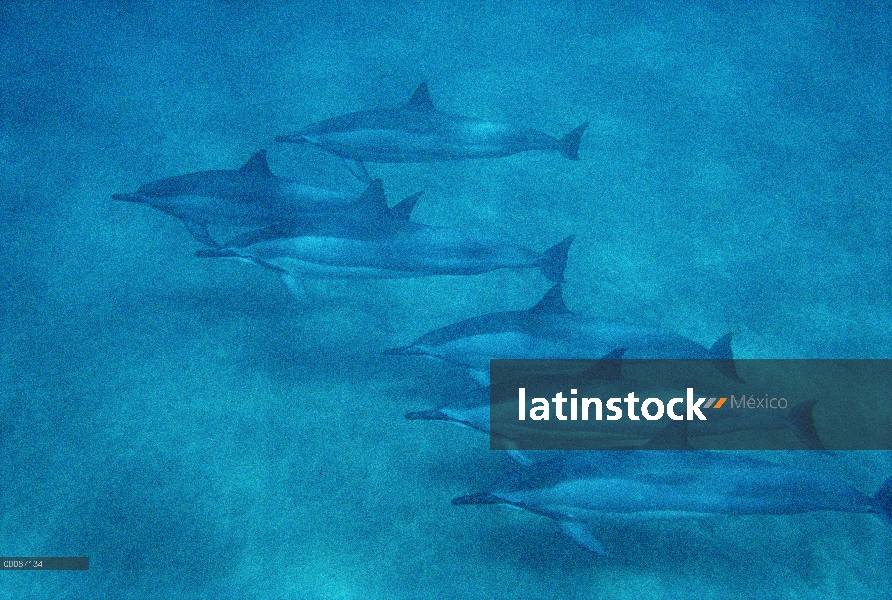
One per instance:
[(199, 432)]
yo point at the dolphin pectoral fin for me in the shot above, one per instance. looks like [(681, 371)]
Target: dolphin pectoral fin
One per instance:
[(427, 415), (200, 233), (357, 168), (512, 448), (583, 536), (479, 377), (279, 230), (295, 287), (554, 260), (569, 144), (520, 457), (803, 424)]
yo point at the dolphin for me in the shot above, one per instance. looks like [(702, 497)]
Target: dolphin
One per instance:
[(247, 197), (581, 490), (550, 330), (673, 436), (417, 132), (392, 248)]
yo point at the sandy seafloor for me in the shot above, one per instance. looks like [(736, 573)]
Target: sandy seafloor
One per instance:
[(200, 433)]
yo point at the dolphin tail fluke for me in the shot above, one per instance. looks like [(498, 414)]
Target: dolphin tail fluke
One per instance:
[(883, 499), (201, 233), (357, 168), (723, 357), (802, 422), (554, 260), (569, 144)]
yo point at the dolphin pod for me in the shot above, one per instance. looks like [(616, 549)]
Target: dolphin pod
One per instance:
[(301, 231)]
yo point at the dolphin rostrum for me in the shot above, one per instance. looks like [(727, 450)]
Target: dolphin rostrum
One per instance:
[(417, 132), (582, 490), (393, 248)]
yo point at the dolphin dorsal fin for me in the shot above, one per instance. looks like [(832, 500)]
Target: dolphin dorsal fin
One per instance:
[(402, 210), (552, 303), (372, 202), (257, 164), (421, 99)]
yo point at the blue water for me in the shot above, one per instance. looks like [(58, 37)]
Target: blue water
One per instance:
[(200, 433)]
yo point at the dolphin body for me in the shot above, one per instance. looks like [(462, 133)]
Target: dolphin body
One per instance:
[(392, 247), (417, 132), (673, 436), (247, 197), (549, 330), (581, 490)]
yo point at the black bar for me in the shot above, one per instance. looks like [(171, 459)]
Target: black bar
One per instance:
[(44, 563)]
